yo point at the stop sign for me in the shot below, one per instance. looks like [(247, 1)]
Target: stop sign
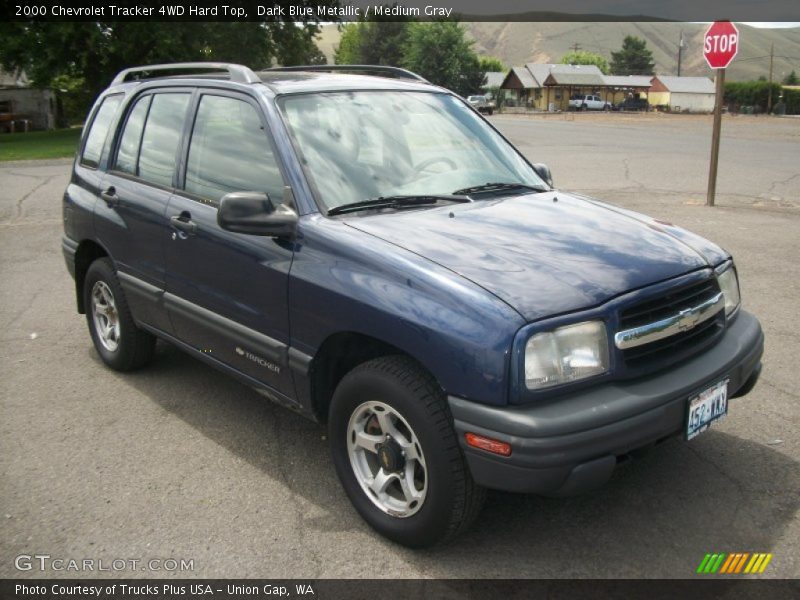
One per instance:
[(720, 44)]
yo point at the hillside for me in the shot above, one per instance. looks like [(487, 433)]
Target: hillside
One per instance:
[(518, 43)]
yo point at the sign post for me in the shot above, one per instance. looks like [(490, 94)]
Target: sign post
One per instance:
[(720, 45)]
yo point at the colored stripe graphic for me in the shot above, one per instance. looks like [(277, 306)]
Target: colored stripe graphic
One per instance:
[(701, 568), (741, 562), (734, 563), (765, 563), (718, 563), (727, 564)]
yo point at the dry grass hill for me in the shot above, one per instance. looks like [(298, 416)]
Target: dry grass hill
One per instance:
[(518, 43)]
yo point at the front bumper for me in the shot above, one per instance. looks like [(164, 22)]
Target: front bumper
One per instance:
[(572, 444)]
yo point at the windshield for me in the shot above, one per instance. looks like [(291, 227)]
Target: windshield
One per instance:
[(360, 145)]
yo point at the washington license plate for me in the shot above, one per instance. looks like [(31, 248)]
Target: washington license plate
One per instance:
[(708, 406)]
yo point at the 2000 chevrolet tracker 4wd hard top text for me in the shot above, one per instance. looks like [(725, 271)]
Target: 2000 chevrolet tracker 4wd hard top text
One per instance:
[(365, 248)]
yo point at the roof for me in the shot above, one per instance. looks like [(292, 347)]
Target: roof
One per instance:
[(575, 78), (533, 75), (494, 79), (623, 81), (687, 85), (525, 77)]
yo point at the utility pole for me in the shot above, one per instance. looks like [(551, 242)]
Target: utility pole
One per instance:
[(769, 96), (680, 53)]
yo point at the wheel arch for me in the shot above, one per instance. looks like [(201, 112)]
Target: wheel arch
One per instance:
[(88, 251), (339, 354)]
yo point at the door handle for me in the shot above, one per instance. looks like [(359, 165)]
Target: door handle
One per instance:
[(183, 222), (109, 195)]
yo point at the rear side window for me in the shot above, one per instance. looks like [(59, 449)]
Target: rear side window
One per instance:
[(230, 151), (128, 155), (162, 132), (98, 131)]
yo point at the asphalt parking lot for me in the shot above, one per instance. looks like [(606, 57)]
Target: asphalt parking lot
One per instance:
[(181, 462)]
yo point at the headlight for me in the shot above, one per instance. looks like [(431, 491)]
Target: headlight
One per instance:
[(566, 354), (729, 284)]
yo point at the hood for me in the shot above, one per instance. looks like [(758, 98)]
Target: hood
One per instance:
[(548, 253)]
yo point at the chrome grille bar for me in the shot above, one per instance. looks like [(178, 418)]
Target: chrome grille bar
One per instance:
[(664, 328)]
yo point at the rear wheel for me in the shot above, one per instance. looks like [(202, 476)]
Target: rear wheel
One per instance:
[(397, 455), (119, 342)]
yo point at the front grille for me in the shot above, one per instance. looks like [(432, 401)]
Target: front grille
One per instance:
[(667, 351)]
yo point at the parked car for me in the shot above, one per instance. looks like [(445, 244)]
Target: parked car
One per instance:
[(481, 104), (588, 102), (633, 104), (374, 255)]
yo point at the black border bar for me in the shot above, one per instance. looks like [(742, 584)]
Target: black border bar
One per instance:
[(350, 10), (370, 589)]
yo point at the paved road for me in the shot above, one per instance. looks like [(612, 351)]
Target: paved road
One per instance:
[(178, 461)]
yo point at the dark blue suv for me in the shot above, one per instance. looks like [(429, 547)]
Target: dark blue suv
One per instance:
[(366, 249)]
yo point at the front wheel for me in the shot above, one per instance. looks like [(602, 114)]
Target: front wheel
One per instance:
[(397, 455)]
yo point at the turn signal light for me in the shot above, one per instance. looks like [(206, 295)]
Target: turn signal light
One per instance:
[(488, 444)]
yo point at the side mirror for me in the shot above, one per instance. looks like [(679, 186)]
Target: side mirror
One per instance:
[(543, 171), (254, 213)]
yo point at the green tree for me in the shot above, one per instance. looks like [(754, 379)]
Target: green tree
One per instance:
[(582, 57), (633, 59), (491, 64), (440, 52), (91, 53), (380, 42), (791, 79), (349, 50)]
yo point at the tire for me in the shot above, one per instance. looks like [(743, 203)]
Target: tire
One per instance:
[(126, 347), (491, 112), (584, 107), (398, 388)]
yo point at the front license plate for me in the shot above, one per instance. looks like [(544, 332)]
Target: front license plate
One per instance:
[(707, 407)]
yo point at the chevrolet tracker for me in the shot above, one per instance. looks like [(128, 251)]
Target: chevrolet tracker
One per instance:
[(365, 248)]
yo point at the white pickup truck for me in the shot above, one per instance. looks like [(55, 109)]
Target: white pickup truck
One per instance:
[(588, 102)]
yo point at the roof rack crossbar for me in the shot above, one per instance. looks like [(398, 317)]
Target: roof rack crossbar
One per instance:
[(237, 73), (396, 72)]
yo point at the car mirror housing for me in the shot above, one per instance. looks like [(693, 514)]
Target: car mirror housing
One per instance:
[(253, 213)]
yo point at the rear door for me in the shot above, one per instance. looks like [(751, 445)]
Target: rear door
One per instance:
[(131, 219), (227, 292)]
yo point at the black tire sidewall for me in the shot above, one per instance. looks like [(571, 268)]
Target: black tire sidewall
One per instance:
[(430, 523), (103, 270)]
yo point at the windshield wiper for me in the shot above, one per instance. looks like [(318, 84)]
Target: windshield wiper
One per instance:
[(497, 187), (395, 202)]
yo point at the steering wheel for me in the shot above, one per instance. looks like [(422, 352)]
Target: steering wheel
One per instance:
[(425, 164)]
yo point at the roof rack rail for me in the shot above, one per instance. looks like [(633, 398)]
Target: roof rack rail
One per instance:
[(396, 72), (237, 73)]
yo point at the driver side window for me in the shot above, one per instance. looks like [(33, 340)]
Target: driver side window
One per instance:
[(230, 151)]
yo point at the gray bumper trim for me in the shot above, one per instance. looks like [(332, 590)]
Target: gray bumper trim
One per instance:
[(551, 440)]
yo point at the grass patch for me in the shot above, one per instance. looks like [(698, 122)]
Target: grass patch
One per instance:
[(60, 143)]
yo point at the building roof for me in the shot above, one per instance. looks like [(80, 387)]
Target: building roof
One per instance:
[(565, 74), (15, 79), (494, 79), (577, 78), (525, 78), (628, 81), (687, 85)]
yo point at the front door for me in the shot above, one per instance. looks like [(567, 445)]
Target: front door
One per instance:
[(227, 292)]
